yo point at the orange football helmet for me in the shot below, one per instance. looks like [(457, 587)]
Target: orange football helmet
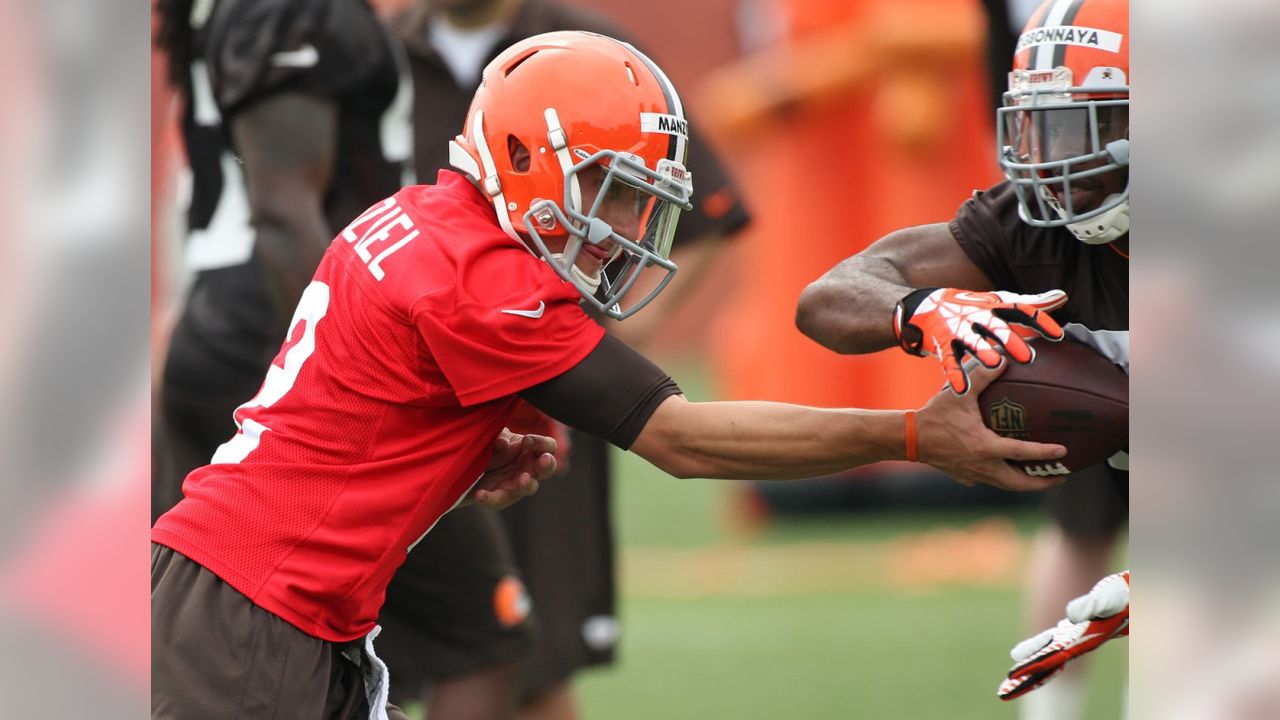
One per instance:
[(554, 105), (1065, 118)]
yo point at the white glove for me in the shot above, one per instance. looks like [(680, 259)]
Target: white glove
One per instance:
[(1092, 619)]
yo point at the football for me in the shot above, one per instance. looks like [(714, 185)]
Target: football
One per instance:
[(1070, 395)]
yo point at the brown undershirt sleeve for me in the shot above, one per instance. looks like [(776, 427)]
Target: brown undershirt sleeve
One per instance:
[(611, 393)]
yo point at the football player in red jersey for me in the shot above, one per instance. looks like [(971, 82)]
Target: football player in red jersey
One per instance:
[(1054, 237), (431, 314), (294, 120)]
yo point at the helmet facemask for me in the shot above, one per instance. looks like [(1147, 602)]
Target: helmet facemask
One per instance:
[(654, 197), (1055, 142)]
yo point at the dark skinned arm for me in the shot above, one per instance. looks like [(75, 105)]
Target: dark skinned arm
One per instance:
[(850, 308), (287, 144)]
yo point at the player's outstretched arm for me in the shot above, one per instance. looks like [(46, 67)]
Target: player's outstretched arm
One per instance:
[(918, 289), (850, 308), (771, 441)]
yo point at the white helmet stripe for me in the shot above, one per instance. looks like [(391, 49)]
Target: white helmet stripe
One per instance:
[(1060, 50), (674, 106), (1043, 59)]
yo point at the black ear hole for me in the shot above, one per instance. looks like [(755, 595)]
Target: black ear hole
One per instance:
[(518, 153)]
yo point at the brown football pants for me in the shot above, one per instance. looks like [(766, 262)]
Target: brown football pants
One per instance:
[(214, 654)]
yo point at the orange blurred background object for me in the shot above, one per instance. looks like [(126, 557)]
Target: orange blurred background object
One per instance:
[(871, 116)]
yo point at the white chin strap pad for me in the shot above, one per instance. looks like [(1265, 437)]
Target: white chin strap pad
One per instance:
[(1105, 228), (592, 282)]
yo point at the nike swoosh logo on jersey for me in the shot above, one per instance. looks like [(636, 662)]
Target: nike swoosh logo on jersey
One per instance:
[(304, 57), (542, 306)]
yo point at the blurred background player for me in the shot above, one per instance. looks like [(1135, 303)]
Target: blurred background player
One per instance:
[(1060, 221), (283, 103), (563, 537)]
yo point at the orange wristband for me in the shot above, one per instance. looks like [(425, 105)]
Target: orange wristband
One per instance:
[(909, 420)]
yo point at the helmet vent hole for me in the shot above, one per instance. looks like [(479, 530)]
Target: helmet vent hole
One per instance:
[(631, 74), (518, 153), (519, 61)]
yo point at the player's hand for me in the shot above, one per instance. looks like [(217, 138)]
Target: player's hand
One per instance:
[(949, 323), (529, 420), (1091, 620), (518, 464), (953, 439)]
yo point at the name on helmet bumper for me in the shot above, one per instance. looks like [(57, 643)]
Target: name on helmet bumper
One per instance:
[(1071, 35)]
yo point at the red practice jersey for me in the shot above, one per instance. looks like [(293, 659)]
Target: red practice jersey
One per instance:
[(379, 413)]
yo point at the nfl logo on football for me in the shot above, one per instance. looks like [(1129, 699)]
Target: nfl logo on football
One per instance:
[(1008, 418)]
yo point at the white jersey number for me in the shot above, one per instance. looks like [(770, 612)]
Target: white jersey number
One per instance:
[(279, 381)]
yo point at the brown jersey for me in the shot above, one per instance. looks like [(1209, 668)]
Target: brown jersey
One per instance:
[(1018, 257)]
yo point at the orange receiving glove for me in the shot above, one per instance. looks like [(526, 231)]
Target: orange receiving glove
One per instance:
[(950, 323), (1092, 620)]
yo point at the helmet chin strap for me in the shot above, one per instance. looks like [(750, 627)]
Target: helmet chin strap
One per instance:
[(591, 282), (1102, 229)]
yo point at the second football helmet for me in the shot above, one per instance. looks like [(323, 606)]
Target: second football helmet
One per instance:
[(554, 106), (1065, 119)]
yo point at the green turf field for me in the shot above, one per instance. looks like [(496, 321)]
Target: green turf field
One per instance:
[(813, 618)]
